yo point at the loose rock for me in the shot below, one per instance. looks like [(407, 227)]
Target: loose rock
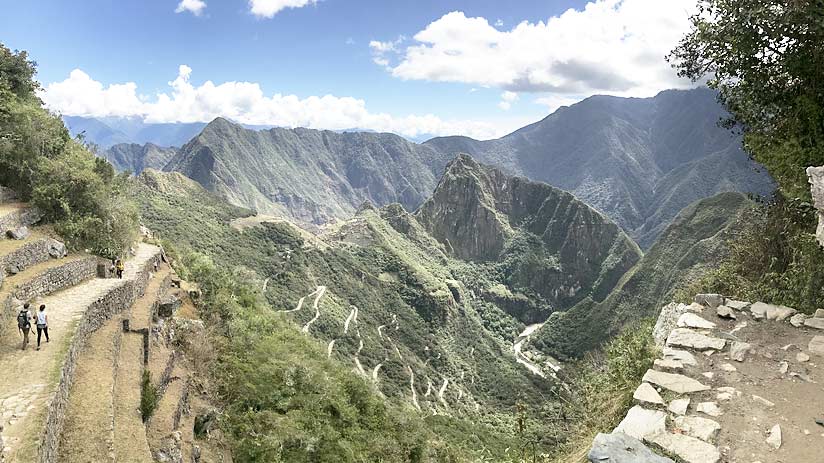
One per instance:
[(737, 305), (621, 448), (738, 350), (797, 320), (725, 312), (763, 401), (710, 408), (780, 312), (728, 368), (668, 364), (817, 323), (679, 406), (759, 310), (20, 233), (774, 439), (667, 321), (783, 367), (802, 357), (680, 356), (688, 448)]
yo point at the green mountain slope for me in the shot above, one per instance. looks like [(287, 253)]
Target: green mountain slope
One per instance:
[(135, 158), (694, 241), (308, 175)]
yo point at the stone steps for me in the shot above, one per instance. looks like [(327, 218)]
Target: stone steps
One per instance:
[(43, 379)]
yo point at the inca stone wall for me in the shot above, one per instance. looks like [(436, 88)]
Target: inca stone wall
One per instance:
[(119, 299), (30, 254), (51, 280), (816, 177)]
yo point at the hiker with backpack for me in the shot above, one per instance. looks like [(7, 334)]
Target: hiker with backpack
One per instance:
[(42, 324), (120, 268), (24, 324)]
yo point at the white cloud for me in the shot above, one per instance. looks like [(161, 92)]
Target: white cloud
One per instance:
[(507, 98), (499, 23), (269, 8), (195, 7), (245, 102), (611, 46)]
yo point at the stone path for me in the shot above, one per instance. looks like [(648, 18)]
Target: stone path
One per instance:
[(25, 394), (737, 382)]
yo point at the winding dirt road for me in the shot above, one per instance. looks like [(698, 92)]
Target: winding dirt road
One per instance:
[(318, 294)]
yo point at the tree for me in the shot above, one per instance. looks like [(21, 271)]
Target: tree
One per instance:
[(766, 59)]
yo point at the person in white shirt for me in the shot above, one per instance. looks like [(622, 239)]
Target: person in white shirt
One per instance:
[(42, 324)]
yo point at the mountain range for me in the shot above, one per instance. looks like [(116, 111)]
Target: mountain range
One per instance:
[(639, 161)]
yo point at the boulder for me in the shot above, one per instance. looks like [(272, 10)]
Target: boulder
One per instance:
[(691, 320), (667, 320), (688, 448), (819, 313), (674, 382), (816, 345), (817, 323), (683, 337), (640, 422), (710, 300), (57, 249), (168, 305), (647, 394), (724, 311), (779, 312), (621, 448), (774, 437), (759, 310), (797, 320), (695, 426), (815, 176), (19, 233), (738, 350)]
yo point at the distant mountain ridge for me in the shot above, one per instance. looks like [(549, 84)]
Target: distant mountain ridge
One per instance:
[(308, 175), (638, 160)]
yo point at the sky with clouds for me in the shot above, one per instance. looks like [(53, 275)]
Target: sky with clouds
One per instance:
[(480, 68)]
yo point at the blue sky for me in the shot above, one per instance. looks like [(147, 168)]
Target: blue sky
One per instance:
[(477, 67)]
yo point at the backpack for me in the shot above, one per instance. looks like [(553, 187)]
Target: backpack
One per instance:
[(23, 320)]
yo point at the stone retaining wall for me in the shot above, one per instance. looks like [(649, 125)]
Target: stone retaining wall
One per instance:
[(816, 177), (7, 195), (119, 299), (47, 282), (28, 255)]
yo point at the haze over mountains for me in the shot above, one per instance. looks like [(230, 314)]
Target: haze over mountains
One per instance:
[(637, 160)]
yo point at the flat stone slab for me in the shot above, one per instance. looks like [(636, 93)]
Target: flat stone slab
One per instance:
[(683, 337), (688, 448), (701, 428), (691, 320), (725, 312), (819, 313), (816, 345), (710, 408), (679, 406), (680, 356), (759, 310), (647, 394), (621, 448), (737, 305), (817, 323), (668, 364), (738, 350), (640, 422), (667, 320), (674, 382)]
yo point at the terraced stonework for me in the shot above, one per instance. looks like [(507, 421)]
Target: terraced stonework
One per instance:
[(736, 382)]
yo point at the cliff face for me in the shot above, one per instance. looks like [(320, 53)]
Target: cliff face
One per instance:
[(308, 175), (136, 158), (816, 176), (551, 243)]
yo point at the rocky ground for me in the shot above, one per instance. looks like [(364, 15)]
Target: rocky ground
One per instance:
[(736, 382)]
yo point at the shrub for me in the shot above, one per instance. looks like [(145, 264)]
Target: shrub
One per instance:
[(148, 396)]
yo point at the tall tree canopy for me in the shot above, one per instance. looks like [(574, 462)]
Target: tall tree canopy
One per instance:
[(766, 59)]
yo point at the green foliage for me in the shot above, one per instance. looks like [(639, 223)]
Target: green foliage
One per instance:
[(148, 396), (79, 193), (775, 259), (766, 58), (602, 386)]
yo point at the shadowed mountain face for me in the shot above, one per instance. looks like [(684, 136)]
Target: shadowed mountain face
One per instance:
[(308, 175), (639, 161), (135, 158)]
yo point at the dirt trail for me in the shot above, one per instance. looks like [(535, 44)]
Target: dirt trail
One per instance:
[(412, 387), (519, 357), (442, 390), (353, 315), (25, 395), (318, 294)]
